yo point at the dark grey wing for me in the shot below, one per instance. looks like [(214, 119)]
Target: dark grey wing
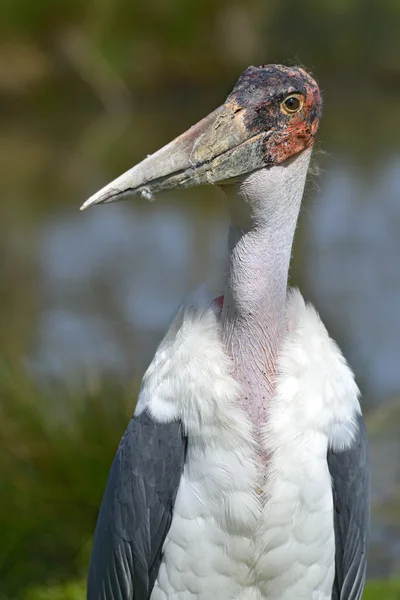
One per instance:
[(350, 472), (136, 510)]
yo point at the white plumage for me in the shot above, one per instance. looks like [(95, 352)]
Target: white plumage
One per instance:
[(238, 532)]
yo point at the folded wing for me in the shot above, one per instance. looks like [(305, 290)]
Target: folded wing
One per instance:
[(136, 510), (351, 496)]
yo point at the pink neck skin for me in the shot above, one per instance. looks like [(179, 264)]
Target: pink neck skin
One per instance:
[(264, 208)]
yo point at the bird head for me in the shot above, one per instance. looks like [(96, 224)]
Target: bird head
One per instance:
[(271, 115)]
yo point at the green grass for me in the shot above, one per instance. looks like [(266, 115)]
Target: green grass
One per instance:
[(69, 591), (382, 590)]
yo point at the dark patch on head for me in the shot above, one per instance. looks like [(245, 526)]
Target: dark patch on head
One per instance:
[(259, 93)]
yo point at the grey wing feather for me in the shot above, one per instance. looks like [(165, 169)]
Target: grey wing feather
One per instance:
[(350, 474), (136, 510)]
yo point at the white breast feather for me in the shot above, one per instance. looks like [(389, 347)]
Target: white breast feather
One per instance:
[(227, 541)]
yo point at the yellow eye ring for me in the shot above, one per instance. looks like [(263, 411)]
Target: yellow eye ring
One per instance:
[(292, 104)]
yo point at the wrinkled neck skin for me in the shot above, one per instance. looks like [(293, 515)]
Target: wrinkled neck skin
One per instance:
[(264, 207)]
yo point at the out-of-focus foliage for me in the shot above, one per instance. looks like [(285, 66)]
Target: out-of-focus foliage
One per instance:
[(56, 450), (154, 42)]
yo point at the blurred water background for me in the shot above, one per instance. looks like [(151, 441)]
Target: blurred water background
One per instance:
[(87, 89)]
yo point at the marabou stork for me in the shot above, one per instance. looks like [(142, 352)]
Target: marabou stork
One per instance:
[(244, 471)]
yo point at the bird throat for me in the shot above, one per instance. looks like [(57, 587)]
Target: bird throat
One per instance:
[(264, 208)]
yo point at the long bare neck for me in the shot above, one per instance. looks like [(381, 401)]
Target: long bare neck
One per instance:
[(264, 208)]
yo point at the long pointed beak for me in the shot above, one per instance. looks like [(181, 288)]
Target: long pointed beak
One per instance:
[(219, 148)]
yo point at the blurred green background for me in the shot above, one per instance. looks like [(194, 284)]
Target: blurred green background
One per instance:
[(87, 89)]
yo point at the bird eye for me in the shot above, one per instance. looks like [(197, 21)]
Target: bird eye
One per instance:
[(292, 104)]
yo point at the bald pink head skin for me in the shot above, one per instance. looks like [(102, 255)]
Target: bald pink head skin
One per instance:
[(260, 93)]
